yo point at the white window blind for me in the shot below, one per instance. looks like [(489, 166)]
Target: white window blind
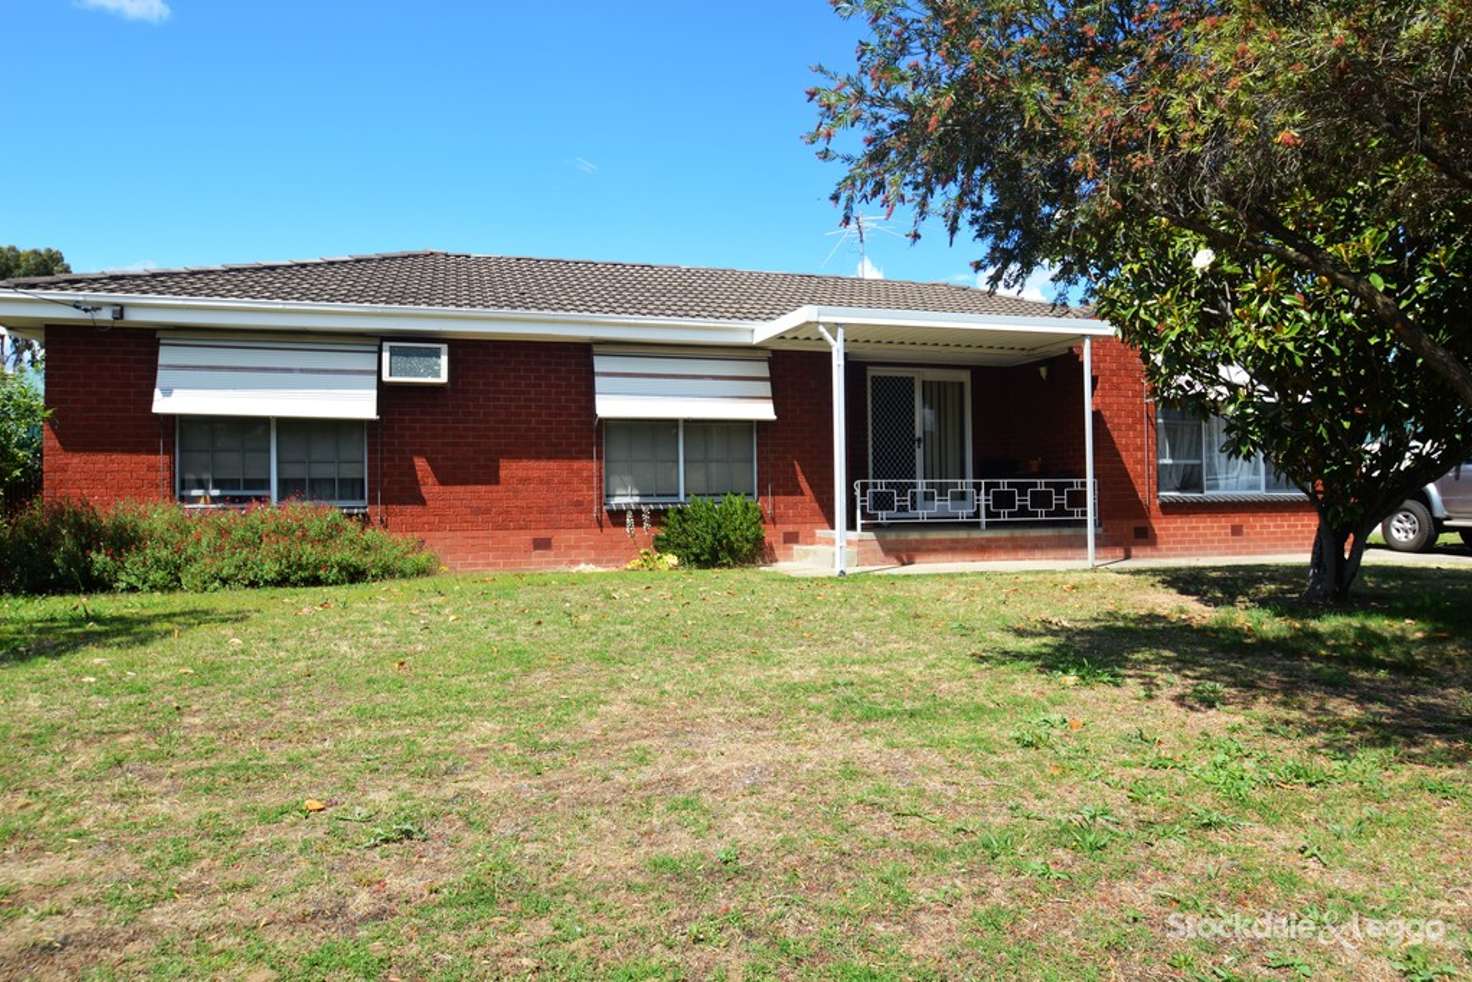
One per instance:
[(681, 383), (230, 376)]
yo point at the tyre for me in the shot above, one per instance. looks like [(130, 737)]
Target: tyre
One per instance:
[(1466, 535), (1410, 528)]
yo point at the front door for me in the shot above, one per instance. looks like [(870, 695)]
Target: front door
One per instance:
[(919, 437)]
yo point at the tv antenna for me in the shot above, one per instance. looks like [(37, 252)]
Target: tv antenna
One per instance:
[(856, 234)]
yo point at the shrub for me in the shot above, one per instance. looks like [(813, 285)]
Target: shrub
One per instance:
[(710, 533), (76, 547), (653, 559), (48, 548), (22, 411)]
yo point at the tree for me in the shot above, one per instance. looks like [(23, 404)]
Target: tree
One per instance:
[(15, 263), (22, 413), (1298, 372), (1319, 148)]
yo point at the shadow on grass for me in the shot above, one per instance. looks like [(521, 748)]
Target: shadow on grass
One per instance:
[(29, 638), (1393, 669)]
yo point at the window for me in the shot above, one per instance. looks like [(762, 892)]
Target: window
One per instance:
[(424, 363), (641, 460), (320, 460), (672, 460), (720, 458), (224, 458), (1191, 459), (230, 459)]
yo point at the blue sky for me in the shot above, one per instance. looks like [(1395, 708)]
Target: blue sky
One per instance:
[(190, 132)]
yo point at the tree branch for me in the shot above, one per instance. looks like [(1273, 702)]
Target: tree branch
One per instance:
[(1295, 250), (1419, 142)]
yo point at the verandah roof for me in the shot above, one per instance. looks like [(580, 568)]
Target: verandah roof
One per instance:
[(931, 336)]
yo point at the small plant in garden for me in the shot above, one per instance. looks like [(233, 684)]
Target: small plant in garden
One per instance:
[(387, 835), (1209, 694), (1082, 671), (997, 842), (710, 533), (653, 559)]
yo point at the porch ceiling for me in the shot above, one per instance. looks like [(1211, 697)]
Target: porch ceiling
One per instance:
[(927, 336)]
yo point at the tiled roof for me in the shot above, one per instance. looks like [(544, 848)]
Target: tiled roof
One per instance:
[(459, 280)]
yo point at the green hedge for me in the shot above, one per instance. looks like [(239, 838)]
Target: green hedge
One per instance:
[(714, 533), (74, 547)]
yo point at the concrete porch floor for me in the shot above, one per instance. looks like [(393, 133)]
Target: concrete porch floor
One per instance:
[(1442, 558)]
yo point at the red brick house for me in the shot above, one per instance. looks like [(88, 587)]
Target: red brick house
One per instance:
[(540, 413)]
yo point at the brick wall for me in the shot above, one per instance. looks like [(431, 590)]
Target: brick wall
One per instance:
[(102, 442), (795, 453), (502, 468), (1124, 460), (1022, 417)]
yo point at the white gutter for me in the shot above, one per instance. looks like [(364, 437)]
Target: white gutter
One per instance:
[(41, 307), (54, 307)]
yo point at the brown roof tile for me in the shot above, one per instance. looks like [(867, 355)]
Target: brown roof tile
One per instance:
[(458, 280)]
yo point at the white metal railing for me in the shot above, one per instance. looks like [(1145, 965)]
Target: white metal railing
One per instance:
[(986, 501)]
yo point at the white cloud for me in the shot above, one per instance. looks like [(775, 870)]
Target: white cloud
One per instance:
[(585, 165), (152, 11), (1038, 287), (867, 270), (141, 266)]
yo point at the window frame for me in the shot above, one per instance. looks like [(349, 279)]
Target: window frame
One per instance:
[(273, 495), (1262, 490), (613, 503), (242, 497), (442, 379)]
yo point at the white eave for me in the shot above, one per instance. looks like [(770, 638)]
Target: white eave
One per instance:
[(912, 334), (34, 309)]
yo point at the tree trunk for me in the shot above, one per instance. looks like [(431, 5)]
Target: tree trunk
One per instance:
[(1331, 572)]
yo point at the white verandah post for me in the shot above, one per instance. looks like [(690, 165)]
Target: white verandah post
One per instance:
[(1089, 443), (840, 450)]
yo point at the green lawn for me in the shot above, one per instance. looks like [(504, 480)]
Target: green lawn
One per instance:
[(735, 775), (1446, 541)]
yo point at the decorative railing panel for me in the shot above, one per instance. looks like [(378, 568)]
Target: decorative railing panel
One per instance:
[(986, 502)]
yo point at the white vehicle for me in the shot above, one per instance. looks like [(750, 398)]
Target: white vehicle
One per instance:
[(1444, 505)]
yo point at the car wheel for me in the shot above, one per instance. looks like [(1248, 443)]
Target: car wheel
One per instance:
[(1410, 528), (1466, 535)]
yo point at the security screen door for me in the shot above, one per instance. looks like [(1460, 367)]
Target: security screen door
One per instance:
[(917, 427)]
